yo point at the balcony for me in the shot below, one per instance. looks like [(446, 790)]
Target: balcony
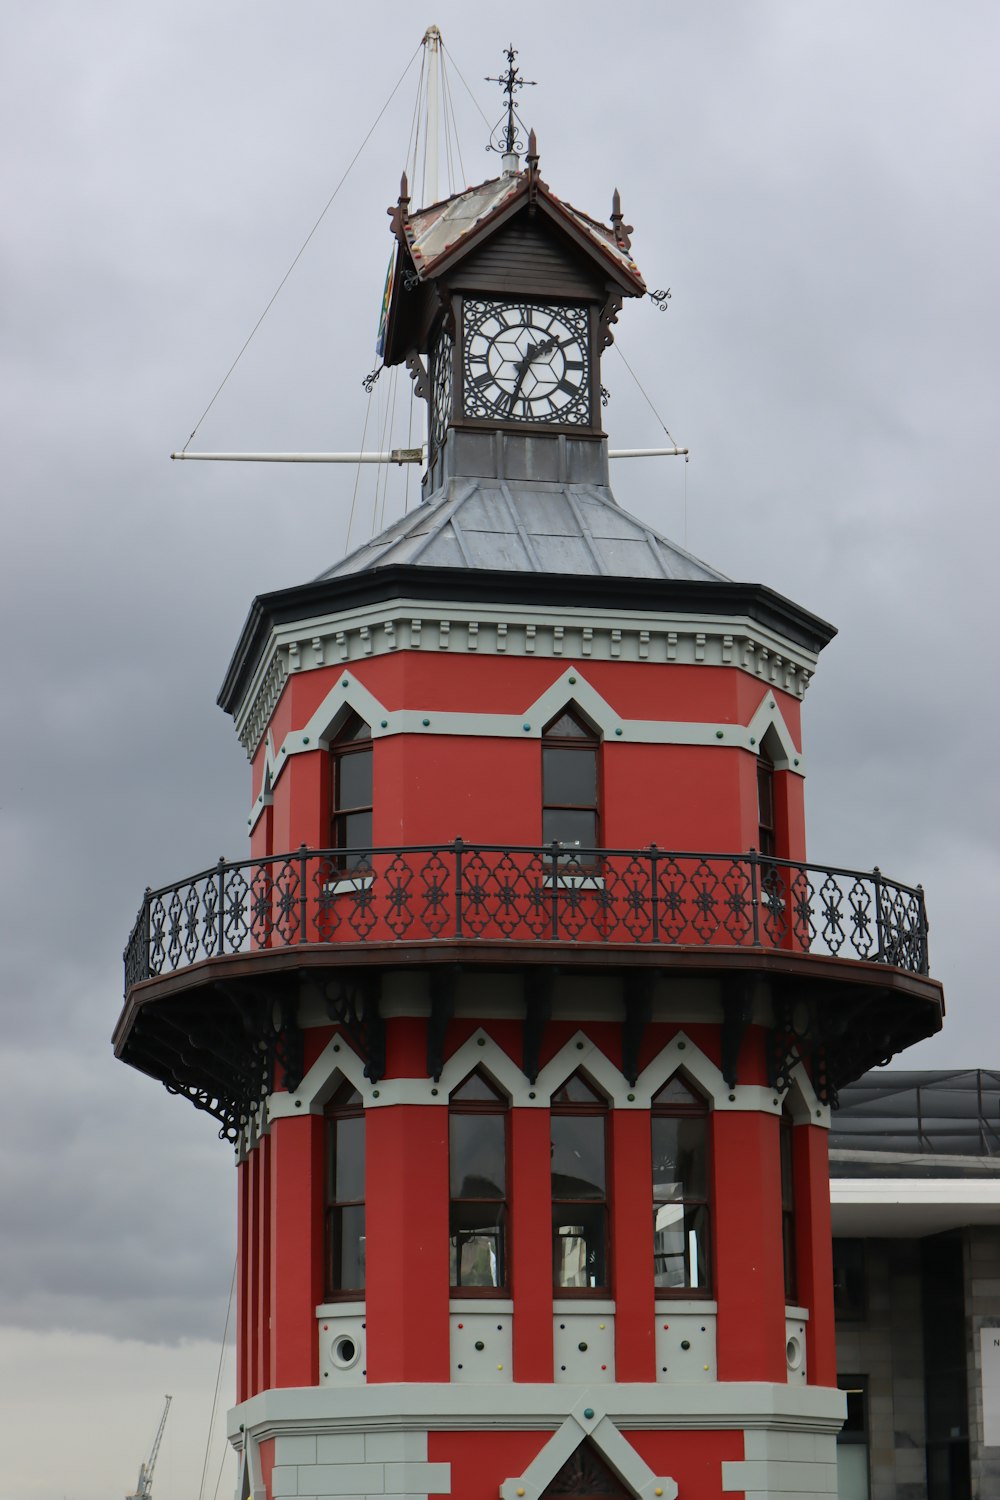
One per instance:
[(852, 945)]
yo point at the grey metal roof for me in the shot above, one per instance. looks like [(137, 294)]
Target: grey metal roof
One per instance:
[(944, 1113), (525, 526)]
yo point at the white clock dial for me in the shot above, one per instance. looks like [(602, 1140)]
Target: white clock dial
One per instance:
[(526, 362)]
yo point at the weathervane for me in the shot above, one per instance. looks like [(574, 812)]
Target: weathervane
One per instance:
[(504, 137)]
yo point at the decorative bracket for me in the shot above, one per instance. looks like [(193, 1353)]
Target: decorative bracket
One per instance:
[(352, 1003), (537, 1011), (737, 1009), (798, 1033), (609, 315), (288, 1045), (442, 989), (418, 374), (638, 1006)]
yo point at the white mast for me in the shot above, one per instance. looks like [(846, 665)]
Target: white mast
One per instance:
[(432, 45)]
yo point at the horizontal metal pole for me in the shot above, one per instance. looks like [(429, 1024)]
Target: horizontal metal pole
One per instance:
[(647, 452), (394, 456)]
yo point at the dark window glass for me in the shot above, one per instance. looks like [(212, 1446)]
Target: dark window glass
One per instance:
[(345, 1193), (578, 1156), (850, 1301), (570, 783), (765, 804), (579, 1188), (351, 790), (788, 1206), (853, 1480), (681, 1213), (477, 1144)]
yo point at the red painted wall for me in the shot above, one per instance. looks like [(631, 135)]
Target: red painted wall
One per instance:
[(433, 788), (481, 1461), (296, 1248), (814, 1260), (632, 1245), (406, 1223), (746, 1182), (531, 1243)]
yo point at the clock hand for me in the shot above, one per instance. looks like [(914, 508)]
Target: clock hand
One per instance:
[(544, 346)]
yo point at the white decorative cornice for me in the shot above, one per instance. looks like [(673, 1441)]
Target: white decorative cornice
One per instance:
[(518, 630)]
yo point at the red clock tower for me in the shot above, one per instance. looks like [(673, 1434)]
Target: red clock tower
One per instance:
[(527, 1011)]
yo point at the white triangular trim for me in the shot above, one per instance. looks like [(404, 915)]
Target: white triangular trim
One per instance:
[(617, 1452), (803, 1100), (580, 1054), (573, 688), (337, 1063), (481, 1051), (768, 715)]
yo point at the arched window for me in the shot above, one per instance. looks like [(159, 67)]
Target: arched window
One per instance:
[(580, 1249), (351, 789), (682, 1246), (477, 1158), (345, 1193), (787, 1134), (570, 783)]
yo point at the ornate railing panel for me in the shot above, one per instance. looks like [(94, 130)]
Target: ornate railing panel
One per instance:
[(550, 894)]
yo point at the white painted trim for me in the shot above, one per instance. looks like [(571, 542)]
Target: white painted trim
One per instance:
[(515, 631), (746, 1405), (768, 715), (615, 1449), (596, 1307), (915, 1191), (686, 1307), (803, 1101), (350, 694), (467, 1307), (338, 1061)]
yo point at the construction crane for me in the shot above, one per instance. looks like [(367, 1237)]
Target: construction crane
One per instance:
[(144, 1485)]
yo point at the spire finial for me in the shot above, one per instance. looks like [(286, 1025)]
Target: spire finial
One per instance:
[(505, 138), (622, 230)]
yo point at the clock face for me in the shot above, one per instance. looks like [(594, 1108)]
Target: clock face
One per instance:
[(441, 365), (526, 362)]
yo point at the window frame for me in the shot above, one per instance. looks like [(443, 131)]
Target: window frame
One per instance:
[(587, 742), (789, 1255), (346, 1104), (767, 835), (498, 1106), (564, 1109), (699, 1108), (346, 744)]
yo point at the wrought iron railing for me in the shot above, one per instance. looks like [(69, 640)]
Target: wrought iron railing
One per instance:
[(491, 892)]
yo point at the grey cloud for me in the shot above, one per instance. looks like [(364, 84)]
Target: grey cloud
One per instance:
[(810, 181)]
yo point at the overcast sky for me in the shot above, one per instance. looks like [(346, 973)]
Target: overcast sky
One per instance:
[(815, 183)]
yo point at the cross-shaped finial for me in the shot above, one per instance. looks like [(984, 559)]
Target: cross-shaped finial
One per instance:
[(509, 82)]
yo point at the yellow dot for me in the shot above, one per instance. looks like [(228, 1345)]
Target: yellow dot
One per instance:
[(602, 1325), (521, 1491), (704, 1367), (658, 1490), (499, 1367)]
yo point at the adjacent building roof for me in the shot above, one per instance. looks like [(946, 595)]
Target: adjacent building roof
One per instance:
[(526, 527), (920, 1114)]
